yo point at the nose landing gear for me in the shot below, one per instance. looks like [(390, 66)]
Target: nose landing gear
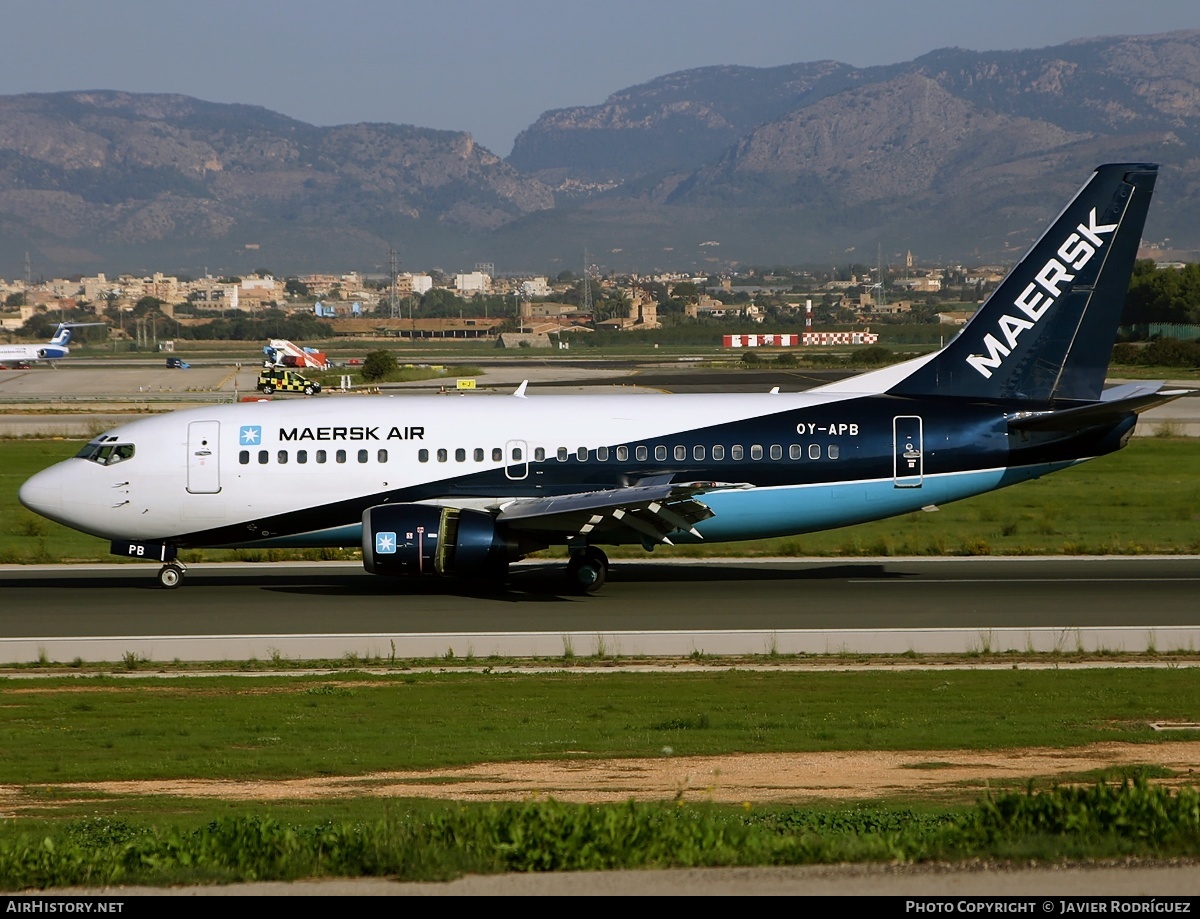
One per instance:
[(170, 575)]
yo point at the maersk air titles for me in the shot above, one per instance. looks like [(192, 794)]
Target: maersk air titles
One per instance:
[(461, 487), (354, 432)]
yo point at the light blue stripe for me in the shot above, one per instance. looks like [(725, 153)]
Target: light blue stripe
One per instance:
[(765, 512), (760, 513)]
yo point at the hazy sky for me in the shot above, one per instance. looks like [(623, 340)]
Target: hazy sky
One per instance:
[(491, 68)]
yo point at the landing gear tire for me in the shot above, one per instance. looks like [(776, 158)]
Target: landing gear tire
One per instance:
[(170, 576), (588, 570)]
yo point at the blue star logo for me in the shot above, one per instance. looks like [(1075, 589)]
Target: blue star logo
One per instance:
[(385, 543), (250, 435)]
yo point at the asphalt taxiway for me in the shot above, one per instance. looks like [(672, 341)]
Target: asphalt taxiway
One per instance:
[(703, 608)]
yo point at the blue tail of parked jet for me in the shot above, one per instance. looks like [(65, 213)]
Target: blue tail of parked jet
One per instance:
[(62, 335), (1046, 333)]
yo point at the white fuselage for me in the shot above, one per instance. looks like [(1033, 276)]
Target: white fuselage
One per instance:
[(300, 472)]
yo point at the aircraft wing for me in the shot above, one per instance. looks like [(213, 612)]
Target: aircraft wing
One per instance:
[(642, 512)]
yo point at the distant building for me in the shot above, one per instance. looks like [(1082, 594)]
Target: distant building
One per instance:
[(800, 339), (535, 287), (643, 314), (409, 283), (254, 292), (894, 308), (448, 328), (955, 317), (472, 282), (213, 295), (546, 310)]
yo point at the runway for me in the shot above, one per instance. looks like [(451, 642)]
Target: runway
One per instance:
[(703, 609)]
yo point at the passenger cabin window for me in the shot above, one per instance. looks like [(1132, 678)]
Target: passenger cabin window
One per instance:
[(698, 452), (422, 455), (497, 454), (660, 453), (302, 457), (362, 456), (460, 455), (244, 457), (640, 453), (602, 454), (680, 453), (795, 451), (382, 456), (581, 454), (340, 456), (776, 452), (623, 454), (478, 454), (562, 454), (263, 456), (736, 452), (442, 455), (539, 454), (756, 451), (833, 451), (321, 456), (282, 456), (814, 451)]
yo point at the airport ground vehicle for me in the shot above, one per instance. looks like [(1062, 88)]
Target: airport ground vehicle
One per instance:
[(280, 379)]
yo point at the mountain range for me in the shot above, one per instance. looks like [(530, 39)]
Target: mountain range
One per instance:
[(956, 156)]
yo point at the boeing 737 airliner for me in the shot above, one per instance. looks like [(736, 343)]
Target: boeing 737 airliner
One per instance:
[(431, 486)]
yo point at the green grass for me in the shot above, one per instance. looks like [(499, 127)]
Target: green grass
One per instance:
[(1143, 500), (1130, 819), (57, 731), (87, 729)]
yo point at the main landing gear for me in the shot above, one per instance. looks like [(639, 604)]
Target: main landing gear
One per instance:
[(170, 575), (588, 569)]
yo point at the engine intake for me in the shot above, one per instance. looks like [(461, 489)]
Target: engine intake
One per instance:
[(417, 540)]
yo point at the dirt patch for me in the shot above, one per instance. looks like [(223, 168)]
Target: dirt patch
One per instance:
[(759, 778)]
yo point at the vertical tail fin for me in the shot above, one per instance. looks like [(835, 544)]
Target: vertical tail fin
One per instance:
[(62, 334), (1047, 331)]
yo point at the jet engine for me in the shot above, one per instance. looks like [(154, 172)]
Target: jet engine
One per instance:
[(416, 540)]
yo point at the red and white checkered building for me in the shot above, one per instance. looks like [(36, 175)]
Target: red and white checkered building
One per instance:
[(793, 340)]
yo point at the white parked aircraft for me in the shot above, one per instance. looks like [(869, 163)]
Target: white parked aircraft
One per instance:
[(433, 486), (52, 350)]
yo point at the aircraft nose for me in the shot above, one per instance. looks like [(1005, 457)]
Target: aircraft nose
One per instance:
[(42, 493)]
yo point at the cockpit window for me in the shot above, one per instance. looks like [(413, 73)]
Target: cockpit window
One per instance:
[(106, 454)]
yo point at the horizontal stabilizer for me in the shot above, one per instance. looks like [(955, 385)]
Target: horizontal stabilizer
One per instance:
[(1134, 401)]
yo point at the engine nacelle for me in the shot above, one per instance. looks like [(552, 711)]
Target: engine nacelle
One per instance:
[(416, 540)]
